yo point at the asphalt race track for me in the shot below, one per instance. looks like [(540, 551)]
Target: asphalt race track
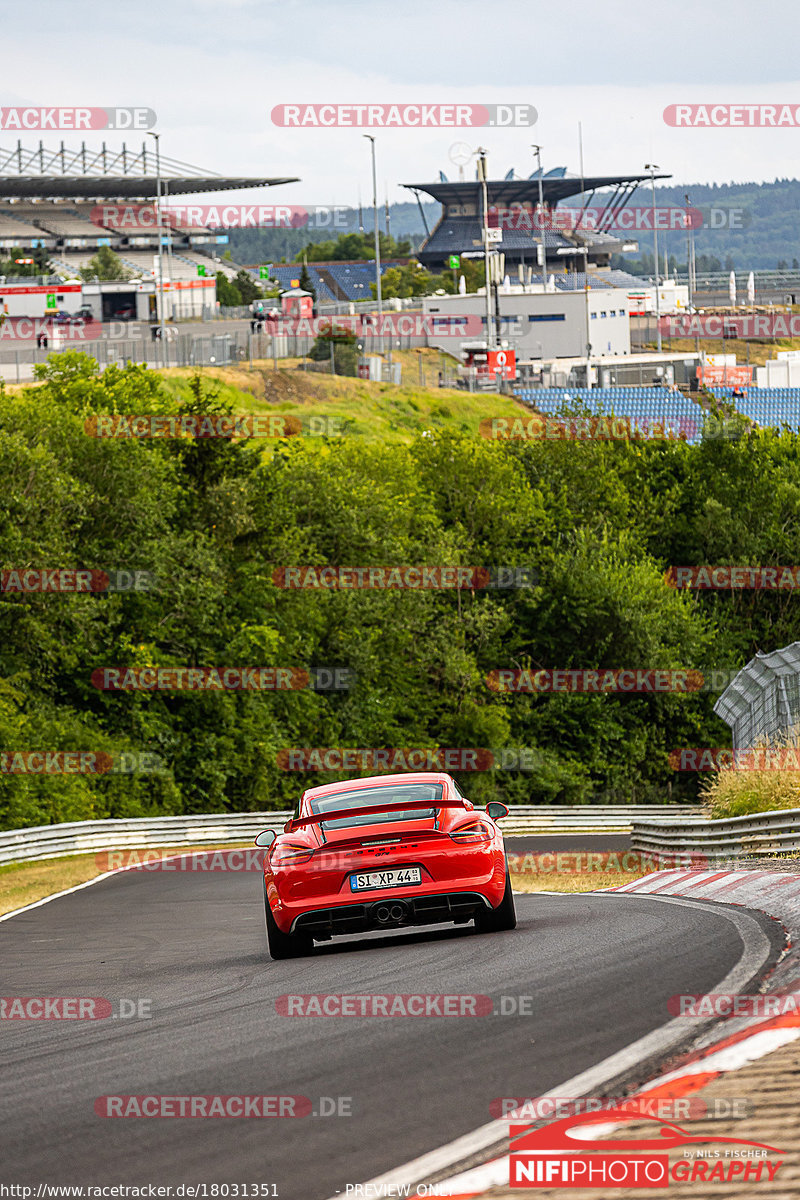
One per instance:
[(599, 968), (548, 843)]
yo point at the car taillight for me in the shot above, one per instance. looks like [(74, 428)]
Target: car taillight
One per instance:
[(475, 831), (284, 856)]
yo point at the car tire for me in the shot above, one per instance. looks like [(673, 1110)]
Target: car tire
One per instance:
[(284, 945), (495, 920)]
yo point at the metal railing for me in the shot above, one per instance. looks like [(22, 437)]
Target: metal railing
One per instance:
[(589, 818), (186, 350), (81, 837), (754, 836)]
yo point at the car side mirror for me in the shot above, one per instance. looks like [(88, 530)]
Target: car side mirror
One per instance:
[(266, 838), (496, 810)]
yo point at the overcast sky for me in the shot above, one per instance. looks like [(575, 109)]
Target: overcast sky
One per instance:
[(214, 69)]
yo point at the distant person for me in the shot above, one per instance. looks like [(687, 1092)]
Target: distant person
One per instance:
[(153, 332)]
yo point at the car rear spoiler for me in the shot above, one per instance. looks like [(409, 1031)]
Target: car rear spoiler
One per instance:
[(369, 810)]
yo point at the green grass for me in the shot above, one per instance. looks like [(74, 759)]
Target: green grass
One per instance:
[(737, 792), (26, 882), (375, 411)]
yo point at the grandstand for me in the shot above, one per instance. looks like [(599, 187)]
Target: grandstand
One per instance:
[(352, 281), (60, 221), (459, 229), (769, 407), (49, 198), (15, 230), (643, 406), (332, 281)]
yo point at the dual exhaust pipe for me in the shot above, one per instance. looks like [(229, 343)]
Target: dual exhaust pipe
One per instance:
[(390, 914)]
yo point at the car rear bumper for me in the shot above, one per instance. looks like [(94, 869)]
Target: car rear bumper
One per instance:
[(389, 912)]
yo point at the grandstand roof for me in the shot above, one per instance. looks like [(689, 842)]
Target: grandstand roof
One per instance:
[(107, 174), (515, 191), (120, 187)]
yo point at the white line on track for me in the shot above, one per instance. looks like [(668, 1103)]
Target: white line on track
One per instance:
[(97, 879), (756, 952)]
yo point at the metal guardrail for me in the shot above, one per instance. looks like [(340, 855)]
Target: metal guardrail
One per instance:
[(590, 818), (754, 836), (81, 837)]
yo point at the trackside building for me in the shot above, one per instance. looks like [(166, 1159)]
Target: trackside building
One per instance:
[(545, 324)]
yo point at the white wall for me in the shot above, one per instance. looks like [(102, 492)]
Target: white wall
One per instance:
[(547, 325), (783, 373)]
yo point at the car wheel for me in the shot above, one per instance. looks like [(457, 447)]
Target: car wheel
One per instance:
[(503, 917), (284, 945)]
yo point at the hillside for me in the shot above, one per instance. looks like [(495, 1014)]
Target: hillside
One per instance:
[(353, 407), (761, 233)]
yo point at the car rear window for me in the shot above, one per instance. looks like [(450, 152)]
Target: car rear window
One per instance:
[(363, 797)]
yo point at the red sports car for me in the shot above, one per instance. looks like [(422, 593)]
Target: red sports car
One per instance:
[(386, 852)]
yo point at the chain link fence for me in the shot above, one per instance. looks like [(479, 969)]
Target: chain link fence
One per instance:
[(239, 347), (762, 703)]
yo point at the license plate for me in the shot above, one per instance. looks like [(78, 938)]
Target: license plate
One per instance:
[(398, 877)]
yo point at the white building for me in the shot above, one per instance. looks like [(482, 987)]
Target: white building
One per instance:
[(544, 325)]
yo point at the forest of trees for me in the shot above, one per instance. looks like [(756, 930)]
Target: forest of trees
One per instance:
[(211, 520)]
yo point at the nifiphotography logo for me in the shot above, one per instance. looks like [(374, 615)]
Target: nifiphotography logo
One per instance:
[(564, 1154)]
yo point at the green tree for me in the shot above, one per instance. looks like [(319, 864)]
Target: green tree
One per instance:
[(106, 266), (228, 293), (247, 287), (306, 284), (39, 266), (355, 246), (412, 280), (345, 351)]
